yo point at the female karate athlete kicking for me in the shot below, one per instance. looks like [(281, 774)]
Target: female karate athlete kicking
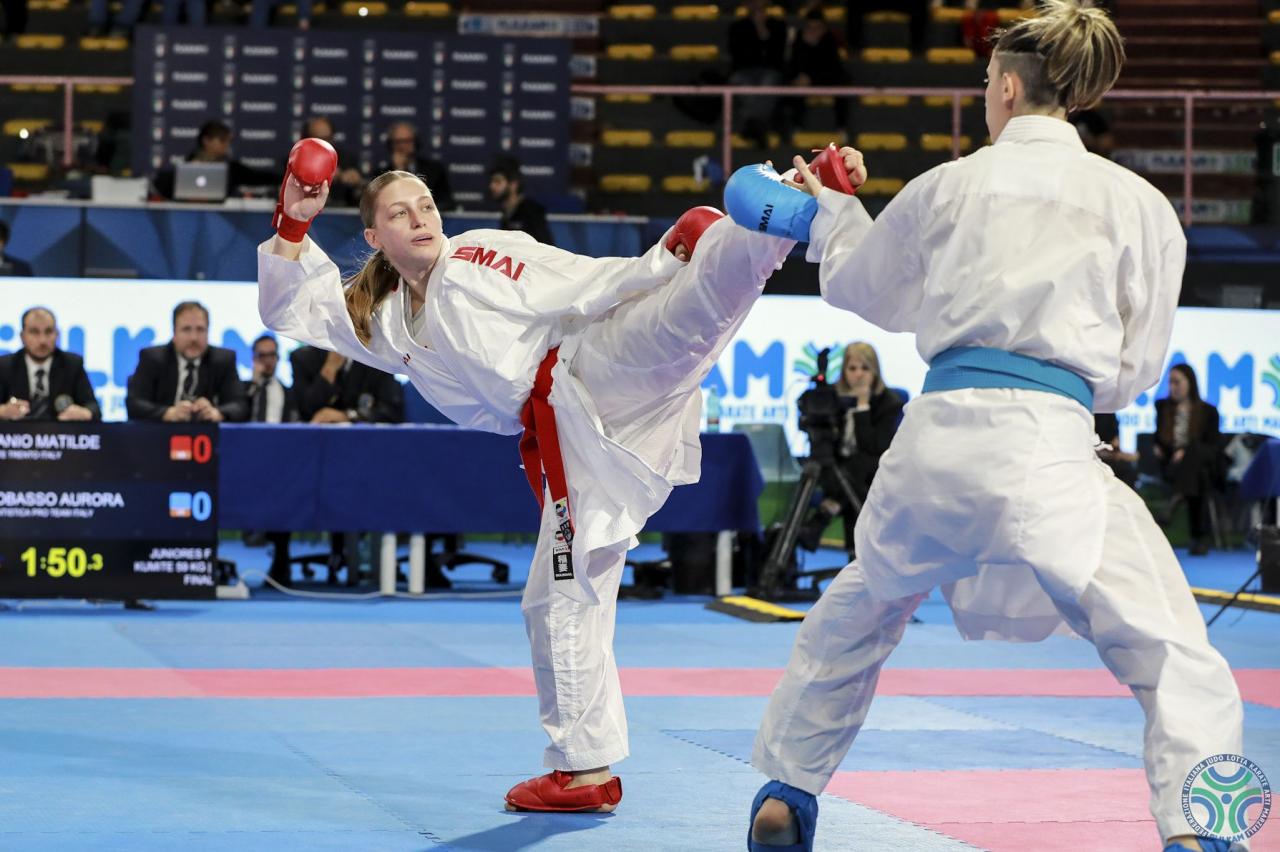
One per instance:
[(597, 361), (1041, 283)]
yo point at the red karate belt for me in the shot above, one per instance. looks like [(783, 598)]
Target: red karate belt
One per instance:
[(540, 447)]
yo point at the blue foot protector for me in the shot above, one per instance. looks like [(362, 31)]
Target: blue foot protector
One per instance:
[(1208, 844), (757, 199), (804, 808)]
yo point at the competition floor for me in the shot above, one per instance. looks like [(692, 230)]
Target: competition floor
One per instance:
[(281, 723)]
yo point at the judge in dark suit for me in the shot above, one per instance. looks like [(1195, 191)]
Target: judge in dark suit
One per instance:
[(187, 379), (331, 388), (40, 381), (270, 400)]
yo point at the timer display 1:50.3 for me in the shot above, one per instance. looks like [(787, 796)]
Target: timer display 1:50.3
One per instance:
[(61, 561)]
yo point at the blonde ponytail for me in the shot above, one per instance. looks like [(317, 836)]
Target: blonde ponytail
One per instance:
[(377, 278), (1069, 56)]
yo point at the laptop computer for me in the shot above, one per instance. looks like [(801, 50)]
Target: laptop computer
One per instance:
[(196, 181)]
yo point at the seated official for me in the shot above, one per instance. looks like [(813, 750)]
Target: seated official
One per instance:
[(186, 379), (42, 382), (331, 388), (869, 417), (1186, 442), (271, 401), (1123, 465)]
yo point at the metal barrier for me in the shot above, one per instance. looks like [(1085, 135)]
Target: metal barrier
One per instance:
[(1188, 99)]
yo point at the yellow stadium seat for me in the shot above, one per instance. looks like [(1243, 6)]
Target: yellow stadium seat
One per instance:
[(947, 14), (945, 101), (809, 140), (702, 12), (834, 14), (421, 9), (104, 43), (690, 139), (887, 18), (886, 54), (819, 101), (684, 183), (364, 9), (883, 100), (1006, 16), (1275, 57), (942, 142), (1274, 16), (880, 142), (695, 52), (775, 11), (41, 42), (737, 141), (35, 87), (643, 52), (943, 55), (91, 126), (29, 171), (99, 88), (628, 99), (48, 5), (14, 126), (626, 183), (881, 186), (633, 11), (626, 138)]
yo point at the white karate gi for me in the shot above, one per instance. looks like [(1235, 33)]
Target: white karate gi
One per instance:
[(1032, 246), (636, 338)]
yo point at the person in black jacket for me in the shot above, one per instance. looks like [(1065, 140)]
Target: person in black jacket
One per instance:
[(869, 417), (187, 379), (270, 400), (10, 265), (404, 155), (213, 145), (814, 60), (330, 388), (519, 211), (40, 381), (1186, 442), (757, 57)]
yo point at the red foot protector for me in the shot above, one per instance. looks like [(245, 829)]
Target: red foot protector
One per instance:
[(829, 168), (689, 227), (549, 793)]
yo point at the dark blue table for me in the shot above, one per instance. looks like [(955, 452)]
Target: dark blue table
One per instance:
[(428, 478)]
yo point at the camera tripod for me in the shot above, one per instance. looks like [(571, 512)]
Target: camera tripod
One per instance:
[(778, 580)]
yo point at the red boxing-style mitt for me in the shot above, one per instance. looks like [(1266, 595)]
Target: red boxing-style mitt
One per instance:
[(313, 161), (828, 166), (689, 227)]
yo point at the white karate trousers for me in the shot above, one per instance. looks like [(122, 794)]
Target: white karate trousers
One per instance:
[(1136, 606), (641, 365)]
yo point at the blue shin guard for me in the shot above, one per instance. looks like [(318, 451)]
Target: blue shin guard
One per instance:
[(757, 199), (804, 809)]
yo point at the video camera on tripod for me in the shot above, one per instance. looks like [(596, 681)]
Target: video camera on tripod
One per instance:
[(821, 421)]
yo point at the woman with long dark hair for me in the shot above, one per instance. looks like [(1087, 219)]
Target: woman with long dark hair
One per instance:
[(1187, 439)]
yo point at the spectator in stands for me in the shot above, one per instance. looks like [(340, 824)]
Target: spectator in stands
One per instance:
[(186, 379), (403, 155), (1187, 444), (757, 57), (42, 382), (15, 20), (213, 145), (814, 60), (869, 417), (100, 21), (519, 212), (348, 182), (10, 265), (271, 401), (1122, 464), (331, 388), (262, 15), (916, 10), (113, 153)]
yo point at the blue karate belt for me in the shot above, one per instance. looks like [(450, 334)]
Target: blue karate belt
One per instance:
[(980, 367)]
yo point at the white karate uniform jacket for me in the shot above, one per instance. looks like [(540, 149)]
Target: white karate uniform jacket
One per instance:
[(982, 251)]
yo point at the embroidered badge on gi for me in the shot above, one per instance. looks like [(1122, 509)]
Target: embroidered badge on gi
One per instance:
[(562, 562), (562, 518)]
